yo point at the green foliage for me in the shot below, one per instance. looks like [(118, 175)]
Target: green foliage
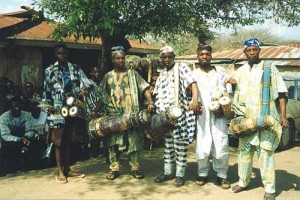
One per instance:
[(118, 18)]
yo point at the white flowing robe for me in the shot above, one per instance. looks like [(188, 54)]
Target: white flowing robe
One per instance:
[(212, 133)]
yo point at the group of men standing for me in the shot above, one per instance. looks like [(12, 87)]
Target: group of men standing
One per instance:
[(122, 91)]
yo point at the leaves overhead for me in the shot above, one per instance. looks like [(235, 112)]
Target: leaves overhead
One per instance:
[(120, 18)]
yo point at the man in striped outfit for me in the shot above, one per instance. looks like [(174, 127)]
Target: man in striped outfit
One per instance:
[(177, 139)]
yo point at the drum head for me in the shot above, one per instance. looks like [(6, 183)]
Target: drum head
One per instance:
[(176, 112), (224, 100), (73, 110), (64, 111), (214, 106), (70, 101)]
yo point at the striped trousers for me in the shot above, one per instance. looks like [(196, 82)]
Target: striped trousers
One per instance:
[(175, 149)]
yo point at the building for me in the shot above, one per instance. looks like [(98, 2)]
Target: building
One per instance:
[(26, 47), (286, 58)]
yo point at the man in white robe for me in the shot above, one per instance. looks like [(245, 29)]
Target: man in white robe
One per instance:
[(212, 133)]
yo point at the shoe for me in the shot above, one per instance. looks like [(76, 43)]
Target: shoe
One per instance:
[(137, 174), (112, 175), (201, 180), (223, 183), (179, 181), (75, 174), (163, 178), (269, 196), (237, 189), (61, 179)]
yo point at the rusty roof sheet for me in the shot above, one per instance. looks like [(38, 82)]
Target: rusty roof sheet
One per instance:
[(42, 32), (267, 52)]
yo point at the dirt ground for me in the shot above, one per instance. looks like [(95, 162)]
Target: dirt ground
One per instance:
[(41, 184)]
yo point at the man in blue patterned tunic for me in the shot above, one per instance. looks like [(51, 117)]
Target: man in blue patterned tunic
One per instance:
[(177, 139), (62, 80)]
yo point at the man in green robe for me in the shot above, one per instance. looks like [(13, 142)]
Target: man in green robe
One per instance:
[(124, 89)]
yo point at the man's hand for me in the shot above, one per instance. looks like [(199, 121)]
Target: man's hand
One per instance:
[(25, 141), (151, 107), (196, 107), (230, 80), (84, 92), (284, 122)]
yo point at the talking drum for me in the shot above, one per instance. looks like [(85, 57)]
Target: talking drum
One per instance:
[(216, 95), (165, 121), (77, 112), (240, 126), (215, 108), (225, 103), (72, 101), (64, 111), (109, 125)]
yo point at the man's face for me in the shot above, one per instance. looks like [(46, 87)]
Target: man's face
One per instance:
[(204, 57), (252, 53), (29, 88), (168, 59), (119, 60), (15, 108), (95, 74), (61, 54)]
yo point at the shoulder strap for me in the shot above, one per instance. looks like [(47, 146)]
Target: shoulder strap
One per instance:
[(176, 84), (266, 89), (133, 90)]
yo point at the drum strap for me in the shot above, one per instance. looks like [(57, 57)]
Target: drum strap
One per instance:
[(133, 90), (266, 90), (176, 84)]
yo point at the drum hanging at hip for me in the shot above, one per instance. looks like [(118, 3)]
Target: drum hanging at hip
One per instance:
[(113, 124), (165, 121), (72, 101), (77, 112), (225, 103), (215, 108)]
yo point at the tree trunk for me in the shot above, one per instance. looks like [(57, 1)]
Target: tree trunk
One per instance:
[(108, 42)]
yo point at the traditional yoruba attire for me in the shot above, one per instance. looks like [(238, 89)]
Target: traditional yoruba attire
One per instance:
[(212, 133), (248, 102), (124, 98), (61, 83), (177, 139)]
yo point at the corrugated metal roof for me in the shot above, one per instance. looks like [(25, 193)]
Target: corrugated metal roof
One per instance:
[(42, 32), (267, 52)]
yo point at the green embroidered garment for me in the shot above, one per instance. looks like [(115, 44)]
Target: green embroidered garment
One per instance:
[(121, 97), (248, 102)]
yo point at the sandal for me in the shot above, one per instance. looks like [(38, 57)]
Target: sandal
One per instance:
[(223, 183), (269, 196), (112, 175), (201, 180), (179, 181), (61, 179), (75, 174), (237, 189), (163, 178), (137, 174)]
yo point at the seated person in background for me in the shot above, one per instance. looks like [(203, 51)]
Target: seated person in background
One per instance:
[(17, 135), (30, 94), (40, 126)]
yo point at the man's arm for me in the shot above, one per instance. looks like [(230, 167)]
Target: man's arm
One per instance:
[(149, 98), (282, 107)]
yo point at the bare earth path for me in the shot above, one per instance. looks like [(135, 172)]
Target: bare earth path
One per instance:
[(42, 185)]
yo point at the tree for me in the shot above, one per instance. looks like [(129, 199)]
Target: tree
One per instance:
[(114, 20)]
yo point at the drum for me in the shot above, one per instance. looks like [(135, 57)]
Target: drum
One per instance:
[(162, 122), (113, 124), (216, 95), (77, 112), (72, 101), (241, 126), (225, 103), (215, 108), (64, 111)]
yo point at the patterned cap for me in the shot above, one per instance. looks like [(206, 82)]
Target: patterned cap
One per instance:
[(117, 49), (166, 49), (251, 42)]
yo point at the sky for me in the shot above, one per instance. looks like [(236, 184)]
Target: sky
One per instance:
[(288, 33)]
